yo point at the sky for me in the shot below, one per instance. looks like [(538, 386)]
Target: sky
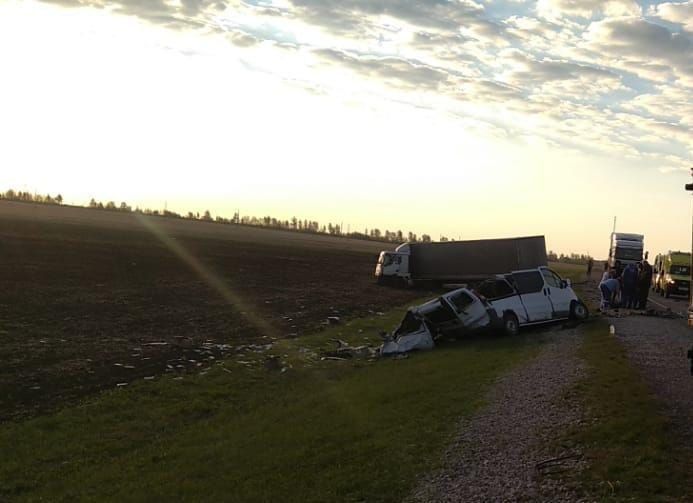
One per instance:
[(462, 118)]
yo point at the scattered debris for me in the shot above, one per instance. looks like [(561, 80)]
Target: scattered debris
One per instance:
[(345, 350), (333, 320), (273, 363), (121, 384)]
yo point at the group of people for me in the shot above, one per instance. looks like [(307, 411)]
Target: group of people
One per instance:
[(626, 286)]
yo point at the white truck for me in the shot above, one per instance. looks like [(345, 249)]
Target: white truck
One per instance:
[(506, 302), (459, 261), (625, 249)]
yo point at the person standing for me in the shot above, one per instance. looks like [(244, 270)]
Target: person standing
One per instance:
[(590, 263), (630, 283), (644, 282)]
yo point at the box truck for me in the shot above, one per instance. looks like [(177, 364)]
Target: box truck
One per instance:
[(459, 261)]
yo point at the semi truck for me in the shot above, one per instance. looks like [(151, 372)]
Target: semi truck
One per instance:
[(438, 263), (625, 249), (672, 273)]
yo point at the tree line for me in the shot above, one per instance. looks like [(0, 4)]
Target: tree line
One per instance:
[(572, 258), (14, 195), (293, 224)]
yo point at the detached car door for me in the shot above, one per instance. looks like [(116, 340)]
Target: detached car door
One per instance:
[(469, 308), (532, 289)]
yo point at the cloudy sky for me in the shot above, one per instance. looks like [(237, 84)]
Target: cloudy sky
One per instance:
[(463, 118)]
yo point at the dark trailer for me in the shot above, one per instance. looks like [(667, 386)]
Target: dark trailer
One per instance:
[(452, 261)]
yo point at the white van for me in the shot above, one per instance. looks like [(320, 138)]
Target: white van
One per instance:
[(506, 302)]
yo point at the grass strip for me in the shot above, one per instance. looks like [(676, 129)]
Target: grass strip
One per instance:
[(320, 431), (628, 441)]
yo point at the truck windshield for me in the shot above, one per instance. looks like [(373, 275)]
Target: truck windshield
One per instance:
[(385, 259), (681, 270), (629, 253)]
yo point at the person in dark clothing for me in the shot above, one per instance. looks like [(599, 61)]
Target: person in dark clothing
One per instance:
[(644, 281), (590, 263), (630, 283)]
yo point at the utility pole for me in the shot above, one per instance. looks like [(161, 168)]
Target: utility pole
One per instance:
[(689, 187)]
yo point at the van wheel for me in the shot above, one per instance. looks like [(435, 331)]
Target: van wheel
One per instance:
[(510, 324), (578, 311)]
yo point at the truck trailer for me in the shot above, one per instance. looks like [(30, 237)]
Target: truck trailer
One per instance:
[(459, 261)]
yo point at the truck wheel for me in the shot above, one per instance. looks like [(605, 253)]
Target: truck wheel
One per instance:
[(578, 311), (511, 326)]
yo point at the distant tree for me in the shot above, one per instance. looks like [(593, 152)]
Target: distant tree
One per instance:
[(110, 205), (124, 206), (59, 199), (443, 239), (207, 215), (400, 236), (425, 238)]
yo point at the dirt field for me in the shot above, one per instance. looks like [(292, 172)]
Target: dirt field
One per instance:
[(91, 299)]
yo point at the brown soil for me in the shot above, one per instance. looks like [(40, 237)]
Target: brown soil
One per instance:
[(85, 307)]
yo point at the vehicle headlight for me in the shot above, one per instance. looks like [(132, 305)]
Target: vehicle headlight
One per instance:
[(670, 281)]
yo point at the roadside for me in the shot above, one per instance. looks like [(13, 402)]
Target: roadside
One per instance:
[(508, 451), (286, 424), (580, 422)]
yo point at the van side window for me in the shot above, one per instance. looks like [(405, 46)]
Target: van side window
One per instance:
[(528, 282), (550, 278), (503, 289)]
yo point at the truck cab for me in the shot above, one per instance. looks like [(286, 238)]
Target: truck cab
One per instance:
[(393, 265), (625, 249)]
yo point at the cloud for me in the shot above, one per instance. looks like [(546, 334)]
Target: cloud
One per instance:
[(395, 70), (675, 12), (644, 42), (349, 14), (555, 9), (586, 74)]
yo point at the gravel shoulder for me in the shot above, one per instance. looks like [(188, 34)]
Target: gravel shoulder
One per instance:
[(495, 453), (658, 347)]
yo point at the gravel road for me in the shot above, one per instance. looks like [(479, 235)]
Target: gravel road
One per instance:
[(657, 347), (495, 453)]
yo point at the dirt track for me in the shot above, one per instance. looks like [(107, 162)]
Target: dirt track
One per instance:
[(86, 306)]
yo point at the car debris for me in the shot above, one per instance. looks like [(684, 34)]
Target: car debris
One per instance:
[(346, 351), (504, 303)]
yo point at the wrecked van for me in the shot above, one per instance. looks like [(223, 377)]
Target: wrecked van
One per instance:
[(505, 302)]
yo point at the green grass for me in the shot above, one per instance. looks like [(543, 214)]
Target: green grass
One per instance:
[(632, 451), (321, 431), (573, 272)]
